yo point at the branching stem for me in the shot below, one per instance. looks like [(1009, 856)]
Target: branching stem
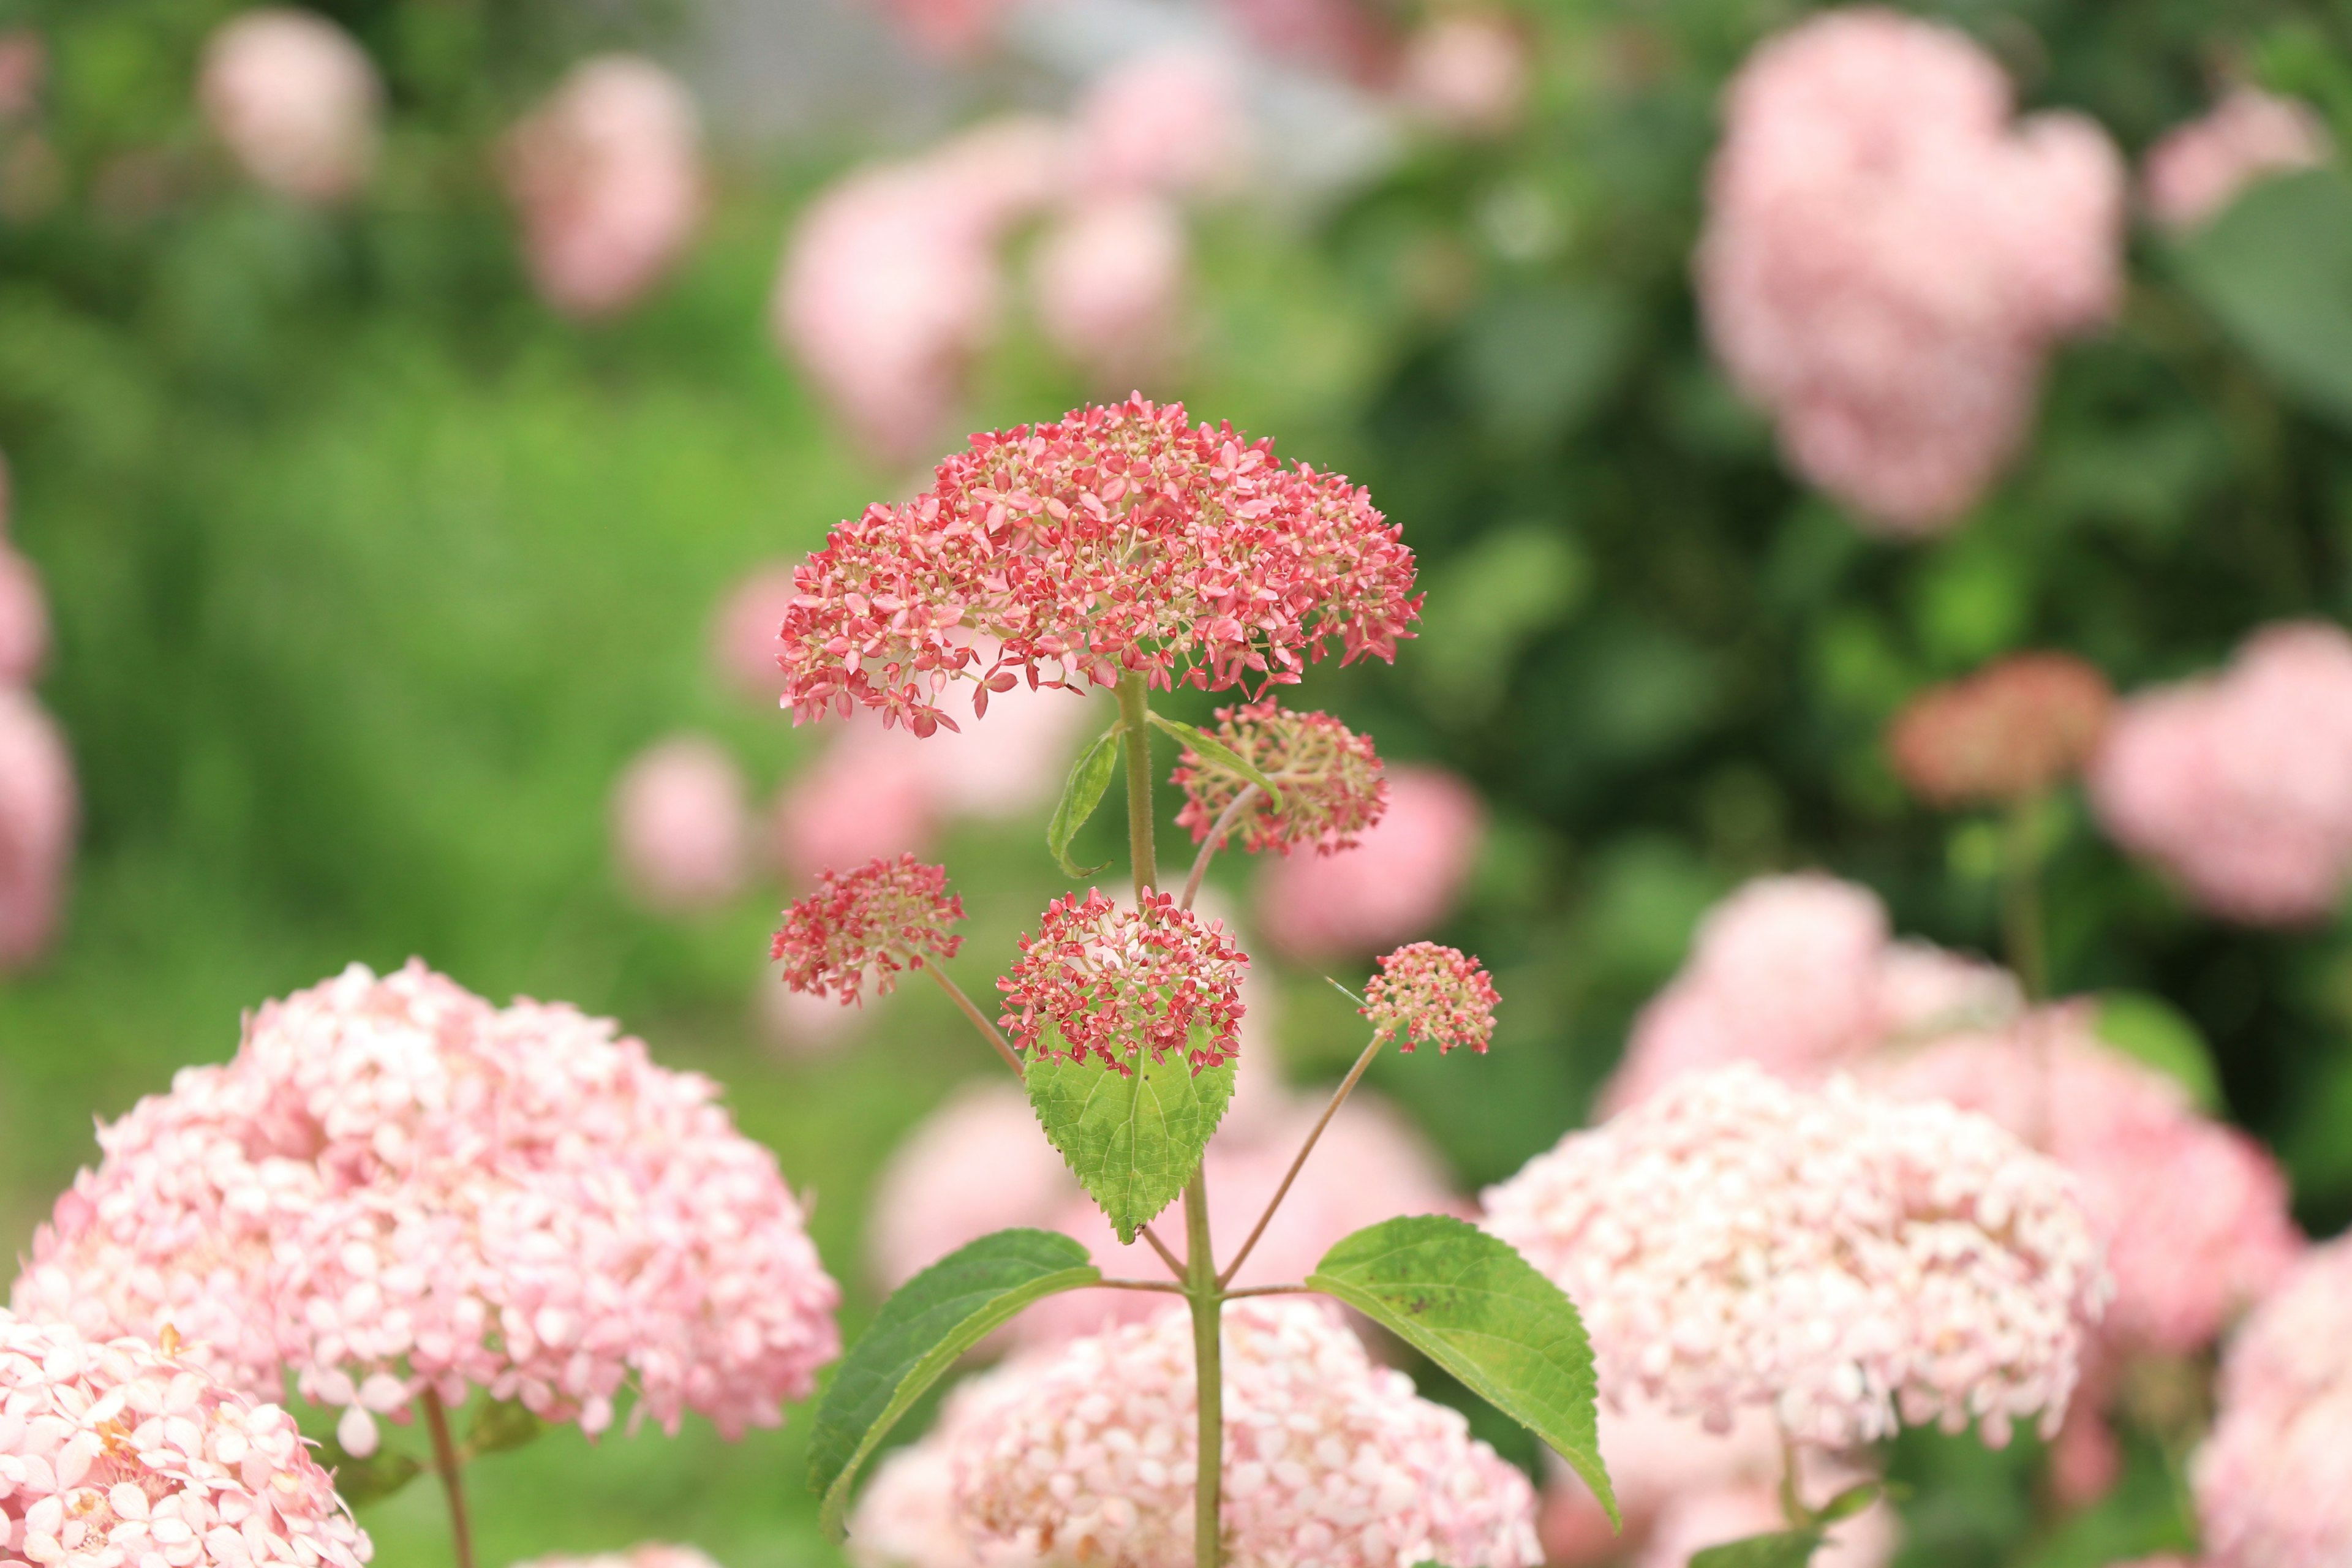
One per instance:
[(1346, 1084), (1175, 1264), (445, 1462), (979, 1020), (1216, 840)]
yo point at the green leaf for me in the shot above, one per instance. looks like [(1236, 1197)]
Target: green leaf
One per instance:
[(2153, 1031), (1091, 775), (2275, 269), (1213, 751), (1785, 1549), (500, 1424), (932, 1319), (370, 1479), (1849, 1502), (1135, 1138), (1473, 1305)]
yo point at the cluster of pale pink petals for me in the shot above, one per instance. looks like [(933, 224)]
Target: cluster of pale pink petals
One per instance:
[(649, 1555), (2195, 171), (607, 176), (2240, 784), (1400, 881), (1843, 1261), (396, 1186), (295, 100), (1108, 279), (114, 1451), (1888, 257), (1085, 1452), (681, 825), (1466, 73)]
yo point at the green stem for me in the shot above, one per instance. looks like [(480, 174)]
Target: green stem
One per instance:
[(979, 1020), (1793, 1506), (2020, 898), (445, 1462), (1135, 716), (1354, 1074)]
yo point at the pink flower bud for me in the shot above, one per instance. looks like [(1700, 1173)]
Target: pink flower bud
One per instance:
[(681, 826), (295, 100), (1400, 881)]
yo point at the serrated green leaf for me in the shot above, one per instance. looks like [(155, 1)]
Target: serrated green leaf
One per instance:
[(2275, 269), (500, 1424), (920, 1332), (1091, 775), (1472, 1304), (370, 1479), (1211, 750), (1783, 1549), (1133, 1139), (2153, 1031)]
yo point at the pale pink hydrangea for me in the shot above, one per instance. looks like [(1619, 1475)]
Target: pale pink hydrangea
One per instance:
[(907, 1517), (1009, 764), (38, 808), (607, 176), (744, 640), (1466, 73), (650, 1555), (24, 619), (681, 825), (2273, 1481), (1400, 881), (1924, 991), (1107, 282), (868, 794), (24, 67), (119, 1452), (1888, 257), (2240, 784), (977, 1164), (1690, 1524), (1347, 38), (1331, 1461), (395, 1187), (295, 100), (1166, 122), (2196, 169), (1843, 1261)]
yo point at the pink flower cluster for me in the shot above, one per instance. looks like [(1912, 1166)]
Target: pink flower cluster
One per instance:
[(2013, 729), (2240, 784), (1330, 778), (681, 828), (1084, 1453), (608, 177), (1838, 1258), (115, 1452), (2273, 1482), (37, 802), (1117, 540), (396, 1186), (1400, 882), (650, 1555), (295, 100), (1887, 258), (1466, 72), (1097, 980), (884, 917), (1440, 995), (2193, 173)]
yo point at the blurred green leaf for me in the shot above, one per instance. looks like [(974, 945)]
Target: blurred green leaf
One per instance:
[(1213, 751), (1134, 1138), (1484, 605), (2152, 1030), (1538, 363), (2275, 269), (1785, 1549), (499, 1426), (1091, 775), (372, 1479)]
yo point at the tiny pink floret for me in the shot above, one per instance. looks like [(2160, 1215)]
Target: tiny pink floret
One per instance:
[(1426, 992)]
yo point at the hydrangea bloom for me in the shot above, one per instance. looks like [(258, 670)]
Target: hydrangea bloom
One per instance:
[(608, 177), (681, 829), (1887, 258), (1332, 784), (2196, 170), (118, 1452), (1833, 1257), (38, 812), (884, 917), (24, 619), (295, 100), (976, 1166), (2011, 730), (1106, 982), (1401, 879), (1466, 73), (1733, 1514), (1086, 1453), (743, 626), (395, 1187), (650, 1555), (1425, 992), (1118, 538), (2273, 1482), (2241, 785), (866, 795), (1168, 121), (1108, 279)]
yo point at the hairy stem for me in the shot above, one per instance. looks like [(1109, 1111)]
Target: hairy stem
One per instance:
[(2020, 898), (1208, 1362), (1216, 840), (979, 1020), (1345, 1086), (445, 1462)]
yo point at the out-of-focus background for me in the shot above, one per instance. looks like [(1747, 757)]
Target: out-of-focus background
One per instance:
[(409, 406)]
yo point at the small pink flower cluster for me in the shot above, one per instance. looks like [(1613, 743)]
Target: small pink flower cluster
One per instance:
[(395, 1187), (2240, 784), (1833, 1257), (37, 805), (1400, 882), (295, 100), (115, 1452), (884, 917), (1425, 992), (2193, 173), (681, 828), (1097, 980), (2013, 729), (608, 177), (1117, 540), (1887, 258), (1466, 72), (649, 1555), (1330, 778), (1084, 1453)]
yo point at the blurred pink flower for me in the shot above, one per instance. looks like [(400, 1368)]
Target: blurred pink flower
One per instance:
[(1007, 764), (24, 66), (743, 631), (295, 100), (2086, 1458), (1701, 1519), (979, 1163), (796, 1024), (607, 175), (1465, 72), (906, 1516), (24, 619), (37, 813), (681, 825), (651, 1554), (2013, 729), (1108, 279), (1169, 122), (2196, 169), (1887, 258), (1347, 38), (868, 794), (2240, 784), (1399, 883)]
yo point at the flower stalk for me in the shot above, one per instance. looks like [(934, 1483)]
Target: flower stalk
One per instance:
[(447, 1464)]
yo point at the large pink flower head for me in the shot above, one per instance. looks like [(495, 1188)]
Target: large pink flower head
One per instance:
[(884, 917), (37, 813), (295, 100), (1835, 1257), (1332, 784), (1466, 73), (1426, 992), (2273, 1481), (681, 829), (1402, 879), (1120, 539), (1086, 1454), (24, 619), (2193, 173), (1887, 258), (118, 1452), (1097, 980), (2013, 729), (405, 1188), (607, 175), (2241, 785)]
